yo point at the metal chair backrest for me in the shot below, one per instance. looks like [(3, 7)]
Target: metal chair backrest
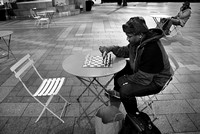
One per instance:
[(22, 66), (174, 67), (174, 64)]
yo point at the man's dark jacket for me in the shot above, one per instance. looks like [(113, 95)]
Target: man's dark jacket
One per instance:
[(148, 59)]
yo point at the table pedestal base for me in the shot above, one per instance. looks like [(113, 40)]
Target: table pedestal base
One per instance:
[(95, 84)]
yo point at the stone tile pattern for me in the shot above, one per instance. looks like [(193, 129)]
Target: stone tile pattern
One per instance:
[(177, 106)]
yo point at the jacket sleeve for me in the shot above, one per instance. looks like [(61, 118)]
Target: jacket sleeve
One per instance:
[(120, 51), (185, 14)]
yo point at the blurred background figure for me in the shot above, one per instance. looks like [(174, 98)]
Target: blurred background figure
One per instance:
[(180, 19)]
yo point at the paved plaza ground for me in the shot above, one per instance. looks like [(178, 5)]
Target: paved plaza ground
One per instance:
[(178, 106)]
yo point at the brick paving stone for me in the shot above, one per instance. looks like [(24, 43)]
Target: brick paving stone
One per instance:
[(185, 88), (172, 106), (15, 125), (196, 95), (73, 110), (4, 91), (62, 128), (194, 103), (183, 96), (165, 96), (41, 127), (184, 70), (196, 77), (12, 109), (52, 67), (72, 81), (195, 118), (196, 86), (181, 123), (53, 74), (66, 90), (185, 78), (12, 81), (3, 121), (12, 99), (3, 78), (170, 89), (85, 33), (28, 99), (23, 92), (76, 90), (34, 109), (163, 124), (83, 126)]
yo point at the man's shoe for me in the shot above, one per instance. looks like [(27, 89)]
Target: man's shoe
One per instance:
[(167, 32), (112, 93)]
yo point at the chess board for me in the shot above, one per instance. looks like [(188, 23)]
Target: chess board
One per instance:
[(95, 61)]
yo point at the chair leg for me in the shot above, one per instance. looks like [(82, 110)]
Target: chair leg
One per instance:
[(47, 24), (153, 111), (175, 30), (148, 103), (66, 104), (41, 24), (46, 108), (37, 22)]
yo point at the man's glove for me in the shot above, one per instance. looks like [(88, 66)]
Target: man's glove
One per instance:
[(123, 80), (105, 50)]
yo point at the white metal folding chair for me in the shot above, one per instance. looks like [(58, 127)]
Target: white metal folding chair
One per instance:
[(175, 29), (147, 101), (40, 19), (48, 87)]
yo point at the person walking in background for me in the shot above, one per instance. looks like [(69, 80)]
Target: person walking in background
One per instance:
[(147, 69)]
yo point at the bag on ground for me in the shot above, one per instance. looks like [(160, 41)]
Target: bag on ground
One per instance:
[(108, 120), (139, 123)]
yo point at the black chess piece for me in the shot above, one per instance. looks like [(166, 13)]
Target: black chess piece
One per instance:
[(106, 61), (110, 60)]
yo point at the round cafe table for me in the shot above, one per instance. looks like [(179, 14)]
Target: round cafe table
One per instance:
[(89, 75), (6, 52)]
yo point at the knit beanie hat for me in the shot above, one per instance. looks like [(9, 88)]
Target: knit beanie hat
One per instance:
[(187, 3), (135, 25)]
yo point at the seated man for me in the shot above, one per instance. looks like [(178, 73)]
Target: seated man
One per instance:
[(180, 19), (148, 67)]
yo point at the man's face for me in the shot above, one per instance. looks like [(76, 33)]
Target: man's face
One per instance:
[(185, 4), (132, 38)]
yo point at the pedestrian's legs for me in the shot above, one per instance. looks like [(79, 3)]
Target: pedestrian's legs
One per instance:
[(124, 3), (119, 2)]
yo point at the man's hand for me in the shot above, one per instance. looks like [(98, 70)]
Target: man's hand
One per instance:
[(104, 51), (123, 80)]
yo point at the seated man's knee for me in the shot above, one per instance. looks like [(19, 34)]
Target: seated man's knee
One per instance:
[(125, 90), (175, 22)]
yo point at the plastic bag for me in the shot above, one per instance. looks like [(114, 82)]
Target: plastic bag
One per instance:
[(108, 120)]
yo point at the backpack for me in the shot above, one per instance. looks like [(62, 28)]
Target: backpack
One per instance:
[(139, 123)]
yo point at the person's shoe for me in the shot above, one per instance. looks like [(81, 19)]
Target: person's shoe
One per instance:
[(112, 93), (167, 32)]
